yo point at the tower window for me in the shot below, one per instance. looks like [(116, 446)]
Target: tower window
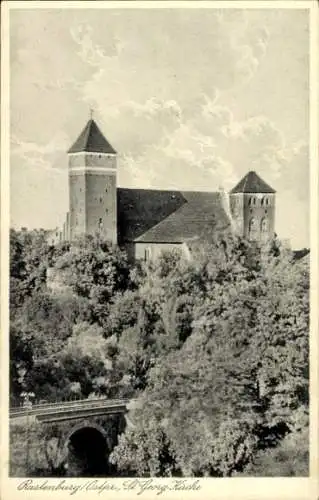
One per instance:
[(106, 211), (101, 199), (106, 189), (252, 224), (253, 229), (267, 201)]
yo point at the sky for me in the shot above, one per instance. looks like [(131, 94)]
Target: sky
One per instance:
[(191, 99)]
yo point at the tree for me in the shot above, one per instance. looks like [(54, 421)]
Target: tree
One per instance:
[(29, 258), (96, 271), (238, 383), (21, 361), (214, 349), (289, 458), (123, 312)]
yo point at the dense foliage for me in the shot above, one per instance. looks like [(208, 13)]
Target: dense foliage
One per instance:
[(214, 349)]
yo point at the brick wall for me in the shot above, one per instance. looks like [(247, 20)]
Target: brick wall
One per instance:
[(77, 201), (101, 205), (259, 207), (92, 195)]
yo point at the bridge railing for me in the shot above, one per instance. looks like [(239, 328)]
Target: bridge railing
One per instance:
[(47, 407), (70, 402), (50, 403)]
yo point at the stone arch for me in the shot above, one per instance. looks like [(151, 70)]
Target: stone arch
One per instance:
[(85, 424), (82, 425)]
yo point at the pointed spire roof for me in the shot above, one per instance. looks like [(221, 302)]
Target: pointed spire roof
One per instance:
[(92, 140), (252, 183)]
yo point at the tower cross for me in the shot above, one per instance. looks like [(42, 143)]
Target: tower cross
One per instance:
[(91, 113)]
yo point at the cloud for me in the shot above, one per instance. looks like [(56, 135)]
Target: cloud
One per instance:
[(90, 52), (293, 169), (212, 149), (144, 98), (292, 218), (129, 70), (42, 156), (261, 146), (183, 159)]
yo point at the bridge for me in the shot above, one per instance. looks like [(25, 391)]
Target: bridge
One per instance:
[(70, 410), (82, 434)]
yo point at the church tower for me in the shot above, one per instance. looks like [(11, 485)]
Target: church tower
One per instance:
[(92, 185), (252, 205)]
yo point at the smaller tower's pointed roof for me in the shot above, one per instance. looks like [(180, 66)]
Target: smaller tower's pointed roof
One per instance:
[(252, 183), (92, 140)]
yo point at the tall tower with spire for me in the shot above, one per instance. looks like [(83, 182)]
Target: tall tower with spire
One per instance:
[(92, 185), (252, 205)]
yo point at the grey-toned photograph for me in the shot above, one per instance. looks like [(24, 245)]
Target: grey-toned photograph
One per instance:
[(159, 242)]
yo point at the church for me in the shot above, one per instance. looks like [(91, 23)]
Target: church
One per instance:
[(148, 221)]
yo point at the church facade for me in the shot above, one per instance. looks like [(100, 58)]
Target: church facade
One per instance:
[(147, 221)]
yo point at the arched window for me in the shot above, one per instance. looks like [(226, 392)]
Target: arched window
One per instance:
[(252, 224), (252, 201), (253, 229), (267, 201), (262, 201)]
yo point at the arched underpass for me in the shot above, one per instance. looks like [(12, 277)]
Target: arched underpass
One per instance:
[(88, 453)]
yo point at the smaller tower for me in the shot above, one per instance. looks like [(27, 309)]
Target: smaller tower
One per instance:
[(252, 204)]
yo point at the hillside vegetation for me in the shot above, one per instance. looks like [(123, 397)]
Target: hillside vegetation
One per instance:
[(214, 349)]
